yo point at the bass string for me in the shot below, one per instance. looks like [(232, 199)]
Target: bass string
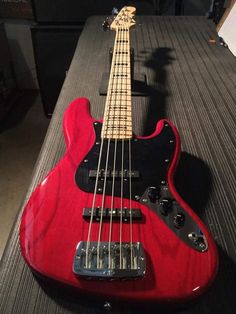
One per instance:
[(122, 160), (112, 206), (102, 205), (128, 82), (106, 170), (130, 207), (95, 192), (124, 61), (130, 163), (121, 199), (93, 205), (118, 59), (117, 103)]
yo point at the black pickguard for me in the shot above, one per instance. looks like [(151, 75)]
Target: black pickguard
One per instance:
[(150, 161), (150, 157)]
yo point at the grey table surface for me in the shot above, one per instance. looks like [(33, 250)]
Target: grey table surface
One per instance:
[(191, 82)]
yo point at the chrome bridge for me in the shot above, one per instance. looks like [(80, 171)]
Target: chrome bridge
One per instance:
[(113, 260)]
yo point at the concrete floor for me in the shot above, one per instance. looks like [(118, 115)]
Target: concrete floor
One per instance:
[(21, 136)]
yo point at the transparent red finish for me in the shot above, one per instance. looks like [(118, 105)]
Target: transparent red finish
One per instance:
[(52, 225)]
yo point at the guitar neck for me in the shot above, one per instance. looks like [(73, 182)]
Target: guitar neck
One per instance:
[(118, 108)]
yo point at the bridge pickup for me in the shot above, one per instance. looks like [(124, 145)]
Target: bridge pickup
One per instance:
[(135, 214), (109, 174), (109, 260)]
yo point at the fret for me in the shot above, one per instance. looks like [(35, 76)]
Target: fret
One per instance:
[(113, 98), (121, 52), (112, 115), (117, 91), (118, 95), (115, 112), (119, 84), (118, 130), (118, 70), (119, 105), (120, 75), (121, 58), (124, 64), (123, 83), (123, 99), (126, 117), (120, 118), (117, 124), (119, 111), (121, 78), (122, 41), (119, 134)]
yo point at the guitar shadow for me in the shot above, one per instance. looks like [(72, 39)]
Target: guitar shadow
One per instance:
[(158, 61), (192, 178), (193, 181)]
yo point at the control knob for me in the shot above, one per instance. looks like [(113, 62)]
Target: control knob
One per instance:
[(179, 220), (165, 205), (153, 194)]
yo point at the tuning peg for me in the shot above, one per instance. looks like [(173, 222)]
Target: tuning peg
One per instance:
[(114, 11), (106, 24)]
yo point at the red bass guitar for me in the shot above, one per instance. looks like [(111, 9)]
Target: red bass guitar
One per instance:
[(107, 220)]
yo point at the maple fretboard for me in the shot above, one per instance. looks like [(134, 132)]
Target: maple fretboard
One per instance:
[(118, 110)]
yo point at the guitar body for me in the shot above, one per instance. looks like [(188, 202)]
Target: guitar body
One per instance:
[(177, 267)]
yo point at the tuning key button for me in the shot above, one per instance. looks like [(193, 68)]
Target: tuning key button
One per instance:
[(179, 220), (165, 206)]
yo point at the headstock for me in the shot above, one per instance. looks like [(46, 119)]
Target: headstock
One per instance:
[(124, 18)]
